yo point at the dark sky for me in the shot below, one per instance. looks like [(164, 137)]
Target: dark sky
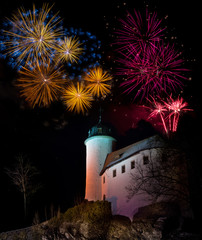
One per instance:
[(53, 138)]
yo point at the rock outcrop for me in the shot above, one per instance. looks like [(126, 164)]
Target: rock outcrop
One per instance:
[(93, 221)]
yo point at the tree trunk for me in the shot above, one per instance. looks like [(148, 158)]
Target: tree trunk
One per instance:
[(25, 205)]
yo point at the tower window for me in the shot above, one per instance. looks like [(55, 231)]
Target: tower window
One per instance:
[(132, 164), (103, 179), (123, 169), (145, 160), (114, 173), (104, 197), (99, 130)]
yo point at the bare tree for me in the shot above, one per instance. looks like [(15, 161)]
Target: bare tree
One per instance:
[(162, 178), (22, 176)]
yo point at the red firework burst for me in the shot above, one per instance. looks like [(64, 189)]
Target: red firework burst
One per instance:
[(152, 71), (176, 108), (169, 111), (159, 109), (138, 33), (167, 67)]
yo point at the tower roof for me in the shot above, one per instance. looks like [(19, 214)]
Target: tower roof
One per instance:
[(100, 129)]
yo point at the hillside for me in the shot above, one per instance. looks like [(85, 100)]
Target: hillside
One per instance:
[(93, 221)]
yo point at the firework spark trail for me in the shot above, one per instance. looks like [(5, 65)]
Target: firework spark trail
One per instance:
[(138, 72), (90, 55), (169, 111), (77, 98), (168, 68), (158, 109), (138, 33), (32, 35), (40, 84), (175, 107), (68, 50), (98, 81), (155, 71)]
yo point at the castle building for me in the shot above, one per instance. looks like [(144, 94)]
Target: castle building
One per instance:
[(108, 172)]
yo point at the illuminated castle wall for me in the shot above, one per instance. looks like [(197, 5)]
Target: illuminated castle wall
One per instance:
[(116, 176), (108, 172)]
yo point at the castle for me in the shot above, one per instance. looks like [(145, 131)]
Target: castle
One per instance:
[(108, 171)]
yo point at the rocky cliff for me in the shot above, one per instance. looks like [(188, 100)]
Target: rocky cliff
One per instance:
[(93, 221)]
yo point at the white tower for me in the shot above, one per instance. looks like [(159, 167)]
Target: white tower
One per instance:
[(98, 144)]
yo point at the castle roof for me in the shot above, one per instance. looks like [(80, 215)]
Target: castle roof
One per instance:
[(99, 129), (117, 156)]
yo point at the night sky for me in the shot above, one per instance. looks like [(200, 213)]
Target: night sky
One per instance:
[(53, 138)]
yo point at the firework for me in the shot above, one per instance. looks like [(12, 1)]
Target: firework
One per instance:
[(152, 72), (89, 57), (138, 33), (167, 66), (32, 35), (169, 111), (40, 84), (176, 108), (98, 81), (159, 109), (77, 98), (137, 71), (69, 50)]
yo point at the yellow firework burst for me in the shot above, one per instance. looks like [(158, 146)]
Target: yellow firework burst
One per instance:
[(77, 98), (40, 84), (98, 81), (69, 50), (33, 35)]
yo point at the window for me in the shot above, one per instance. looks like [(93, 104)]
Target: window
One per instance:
[(114, 173), (99, 130), (145, 160), (132, 164), (103, 179), (123, 169), (118, 156), (104, 197)]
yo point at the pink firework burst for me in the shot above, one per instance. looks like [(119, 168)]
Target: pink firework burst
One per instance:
[(139, 33), (167, 66), (169, 111), (159, 109), (176, 108), (152, 71), (137, 71)]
